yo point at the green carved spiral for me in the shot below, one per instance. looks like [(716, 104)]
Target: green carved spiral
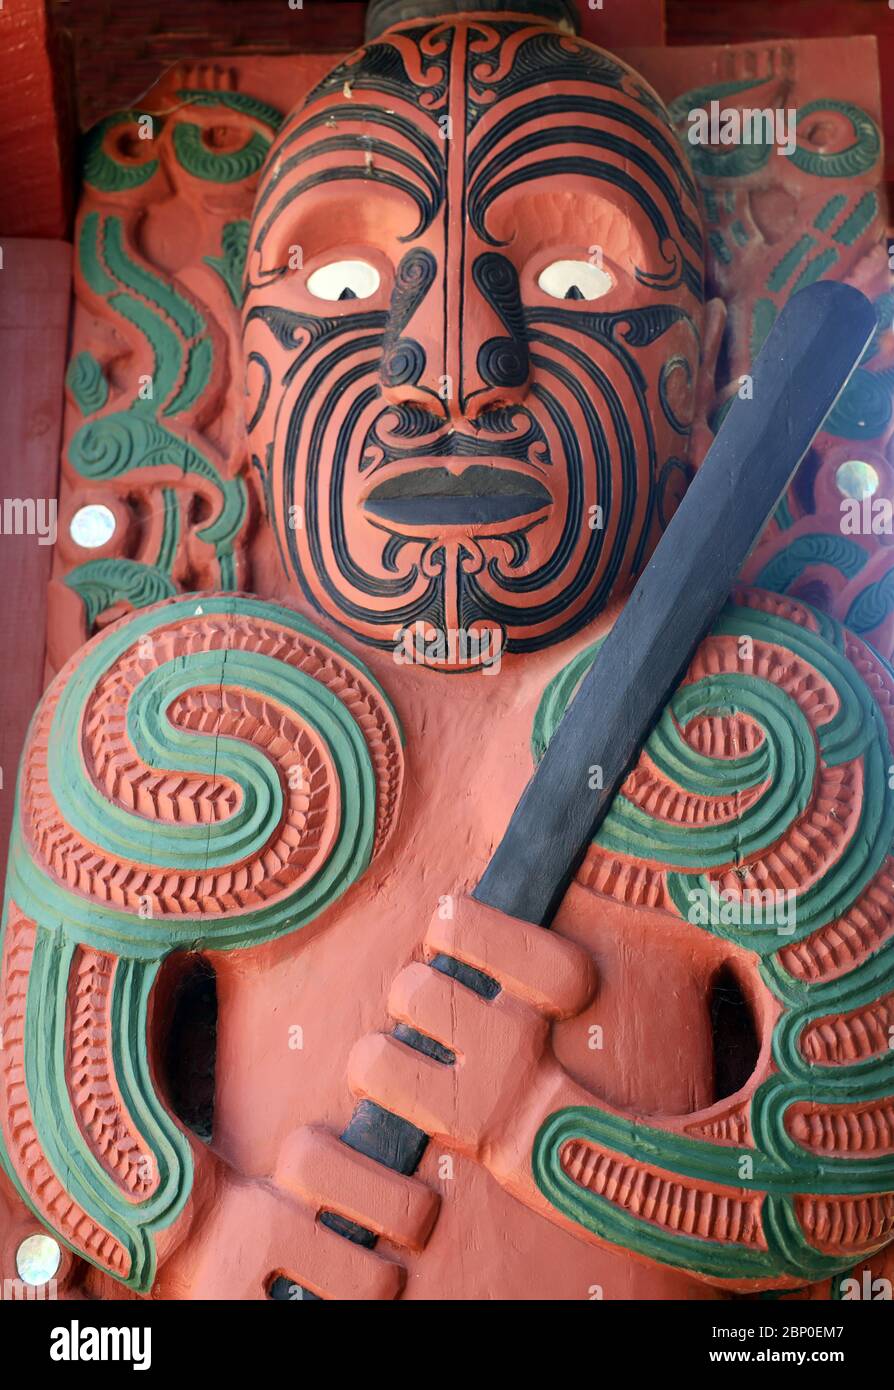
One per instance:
[(218, 701), (125, 440), (124, 835), (776, 780), (856, 159), (105, 171), (218, 166)]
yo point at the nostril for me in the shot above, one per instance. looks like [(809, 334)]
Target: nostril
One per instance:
[(733, 1033)]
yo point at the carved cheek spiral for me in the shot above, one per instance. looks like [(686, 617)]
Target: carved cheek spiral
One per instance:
[(502, 362), (403, 364), (211, 773)]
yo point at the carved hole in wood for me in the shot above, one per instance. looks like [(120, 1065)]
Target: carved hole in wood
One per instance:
[(733, 1033), (189, 1046)]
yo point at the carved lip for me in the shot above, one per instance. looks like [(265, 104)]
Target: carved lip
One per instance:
[(481, 495)]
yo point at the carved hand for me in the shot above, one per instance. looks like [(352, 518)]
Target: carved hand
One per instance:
[(505, 1079), (252, 1238), (757, 823)]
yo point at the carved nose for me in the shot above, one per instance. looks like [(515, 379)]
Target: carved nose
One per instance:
[(489, 367)]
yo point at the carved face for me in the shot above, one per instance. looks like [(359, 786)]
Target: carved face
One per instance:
[(472, 335)]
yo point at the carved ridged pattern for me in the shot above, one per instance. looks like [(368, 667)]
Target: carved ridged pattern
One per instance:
[(844, 1129), (159, 796), (810, 1138), (210, 772), (101, 1115), (854, 1225), (662, 1200), (26, 1162)]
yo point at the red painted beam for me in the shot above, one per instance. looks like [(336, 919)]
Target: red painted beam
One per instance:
[(35, 298), (36, 124), (623, 23), (120, 50)]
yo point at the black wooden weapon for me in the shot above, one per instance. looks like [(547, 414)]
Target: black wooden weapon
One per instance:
[(802, 368)]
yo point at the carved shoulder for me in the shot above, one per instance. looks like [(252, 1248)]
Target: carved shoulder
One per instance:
[(211, 773)]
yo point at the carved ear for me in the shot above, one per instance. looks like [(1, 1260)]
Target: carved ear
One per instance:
[(706, 389)]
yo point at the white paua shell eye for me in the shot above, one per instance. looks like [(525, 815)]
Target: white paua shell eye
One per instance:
[(856, 478), (37, 1259), (574, 280), (344, 280), (92, 526)]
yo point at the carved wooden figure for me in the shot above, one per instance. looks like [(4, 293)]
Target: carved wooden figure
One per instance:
[(437, 430)]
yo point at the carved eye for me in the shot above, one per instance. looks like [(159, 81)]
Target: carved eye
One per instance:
[(574, 280), (344, 280)]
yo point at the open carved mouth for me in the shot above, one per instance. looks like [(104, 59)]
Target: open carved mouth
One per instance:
[(480, 495)]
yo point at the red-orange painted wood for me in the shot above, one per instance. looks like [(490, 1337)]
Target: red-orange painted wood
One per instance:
[(120, 50), (36, 126), (614, 26), (735, 21), (35, 293)]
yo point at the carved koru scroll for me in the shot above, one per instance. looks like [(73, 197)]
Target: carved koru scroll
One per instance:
[(211, 774), (153, 421), (775, 223), (761, 809)]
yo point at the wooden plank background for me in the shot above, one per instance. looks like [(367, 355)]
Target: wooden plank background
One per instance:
[(120, 49), (35, 294), (36, 122)]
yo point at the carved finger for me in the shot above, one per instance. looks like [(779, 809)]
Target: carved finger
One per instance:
[(328, 1175), (398, 1078), (547, 971), (331, 1267), (444, 1009)]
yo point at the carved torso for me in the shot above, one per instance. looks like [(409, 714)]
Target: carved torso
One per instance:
[(447, 468)]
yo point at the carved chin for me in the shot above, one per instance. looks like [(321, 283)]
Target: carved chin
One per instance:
[(529, 547), (483, 548)]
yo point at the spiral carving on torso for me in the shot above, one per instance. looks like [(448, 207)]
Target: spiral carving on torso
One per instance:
[(761, 811)]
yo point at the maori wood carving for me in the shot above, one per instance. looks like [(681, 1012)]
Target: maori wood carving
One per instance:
[(239, 772), (461, 354), (422, 349), (766, 778), (153, 430), (775, 224)]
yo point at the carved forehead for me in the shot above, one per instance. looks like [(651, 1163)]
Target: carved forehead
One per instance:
[(516, 103)]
